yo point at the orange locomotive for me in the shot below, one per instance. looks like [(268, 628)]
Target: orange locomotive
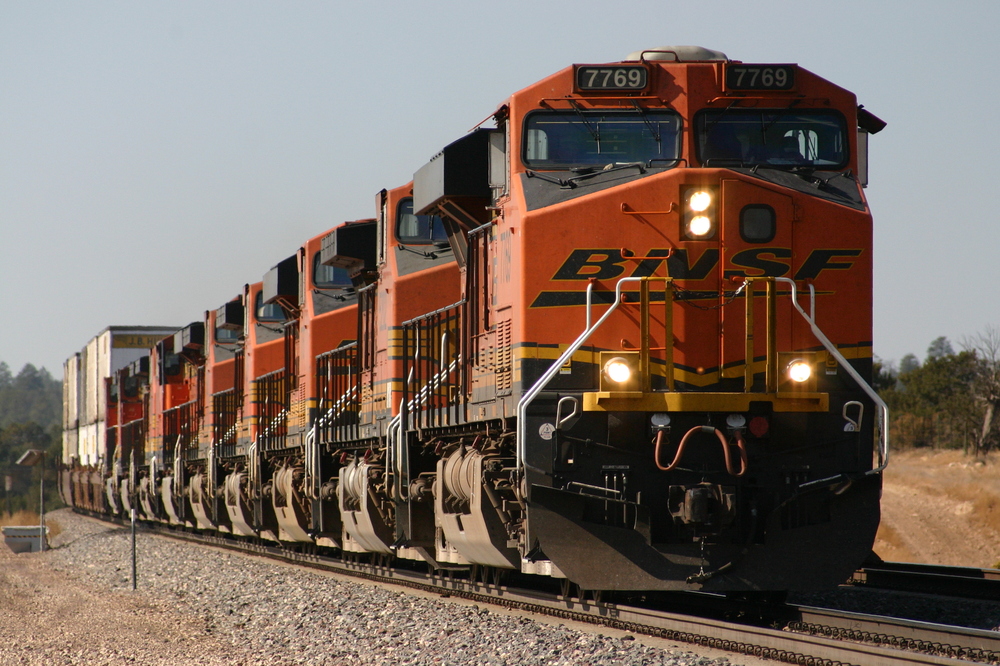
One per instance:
[(658, 376)]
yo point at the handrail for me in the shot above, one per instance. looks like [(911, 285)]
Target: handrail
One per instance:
[(543, 381), (883, 421)]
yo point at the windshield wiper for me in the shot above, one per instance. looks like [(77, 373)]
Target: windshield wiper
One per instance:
[(552, 179), (806, 173), (425, 255), (608, 169), (714, 121), (341, 295), (594, 131), (645, 118)]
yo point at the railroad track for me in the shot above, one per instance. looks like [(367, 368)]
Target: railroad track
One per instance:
[(778, 631), (965, 582)]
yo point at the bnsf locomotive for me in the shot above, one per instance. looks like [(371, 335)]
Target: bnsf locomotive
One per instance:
[(622, 338)]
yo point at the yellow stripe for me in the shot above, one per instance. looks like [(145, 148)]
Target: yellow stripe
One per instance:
[(707, 378), (702, 402)]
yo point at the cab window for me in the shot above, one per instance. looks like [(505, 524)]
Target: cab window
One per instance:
[(329, 277), (226, 336), (418, 229), (271, 312), (565, 140), (772, 137)]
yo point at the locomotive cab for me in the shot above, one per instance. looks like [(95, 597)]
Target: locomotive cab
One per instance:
[(727, 442)]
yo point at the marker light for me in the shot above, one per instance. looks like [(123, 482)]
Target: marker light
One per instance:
[(799, 371), (618, 370), (659, 421), (700, 201)]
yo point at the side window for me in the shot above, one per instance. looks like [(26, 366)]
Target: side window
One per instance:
[(418, 229), (329, 277), (226, 336), (270, 312)]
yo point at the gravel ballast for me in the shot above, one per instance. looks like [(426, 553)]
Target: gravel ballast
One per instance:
[(75, 604)]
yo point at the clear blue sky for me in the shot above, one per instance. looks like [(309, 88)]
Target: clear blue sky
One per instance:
[(154, 157)]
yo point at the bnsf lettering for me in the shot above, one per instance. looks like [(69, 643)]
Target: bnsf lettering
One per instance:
[(586, 264), (607, 264), (821, 260), (679, 264), (760, 261), (602, 264)]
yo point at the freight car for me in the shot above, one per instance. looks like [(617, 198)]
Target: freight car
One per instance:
[(622, 338)]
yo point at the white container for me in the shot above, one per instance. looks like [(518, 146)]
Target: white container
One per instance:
[(84, 397)]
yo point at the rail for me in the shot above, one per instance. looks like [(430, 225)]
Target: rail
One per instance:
[(431, 347), (883, 420), (543, 381), (270, 394), (771, 357), (792, 634), (338, 391)]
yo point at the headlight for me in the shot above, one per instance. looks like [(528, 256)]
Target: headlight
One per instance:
[(799, 371), (618, 370), (700, 201), (699, 226), (700, 212)]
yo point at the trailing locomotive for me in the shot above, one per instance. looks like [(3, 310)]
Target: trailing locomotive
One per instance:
[(623, 339)]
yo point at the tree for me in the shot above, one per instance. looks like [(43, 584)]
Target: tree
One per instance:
[(933, 404), (32, 396), (908, 363), (30, 418), (884, 375), (940, 348), (986, 384)]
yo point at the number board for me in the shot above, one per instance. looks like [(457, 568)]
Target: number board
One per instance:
[(760, 77), (611, 77)]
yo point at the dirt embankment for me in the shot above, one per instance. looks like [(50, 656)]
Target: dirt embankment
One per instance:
[(940, 507)]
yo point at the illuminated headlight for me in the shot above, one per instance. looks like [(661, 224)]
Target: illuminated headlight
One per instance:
[(699, 226), (799, 371), (700, 201), (618, 370), (700, 212)]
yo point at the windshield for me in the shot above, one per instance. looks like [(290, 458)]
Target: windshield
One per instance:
[(570, 139), (773, 137)]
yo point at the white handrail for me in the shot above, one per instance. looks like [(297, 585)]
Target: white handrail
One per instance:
[(542, 382), (883, 421)]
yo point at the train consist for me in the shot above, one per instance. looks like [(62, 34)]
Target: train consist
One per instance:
[(622, 338)]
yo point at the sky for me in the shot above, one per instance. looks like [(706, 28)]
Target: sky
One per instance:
[(156, 156)]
